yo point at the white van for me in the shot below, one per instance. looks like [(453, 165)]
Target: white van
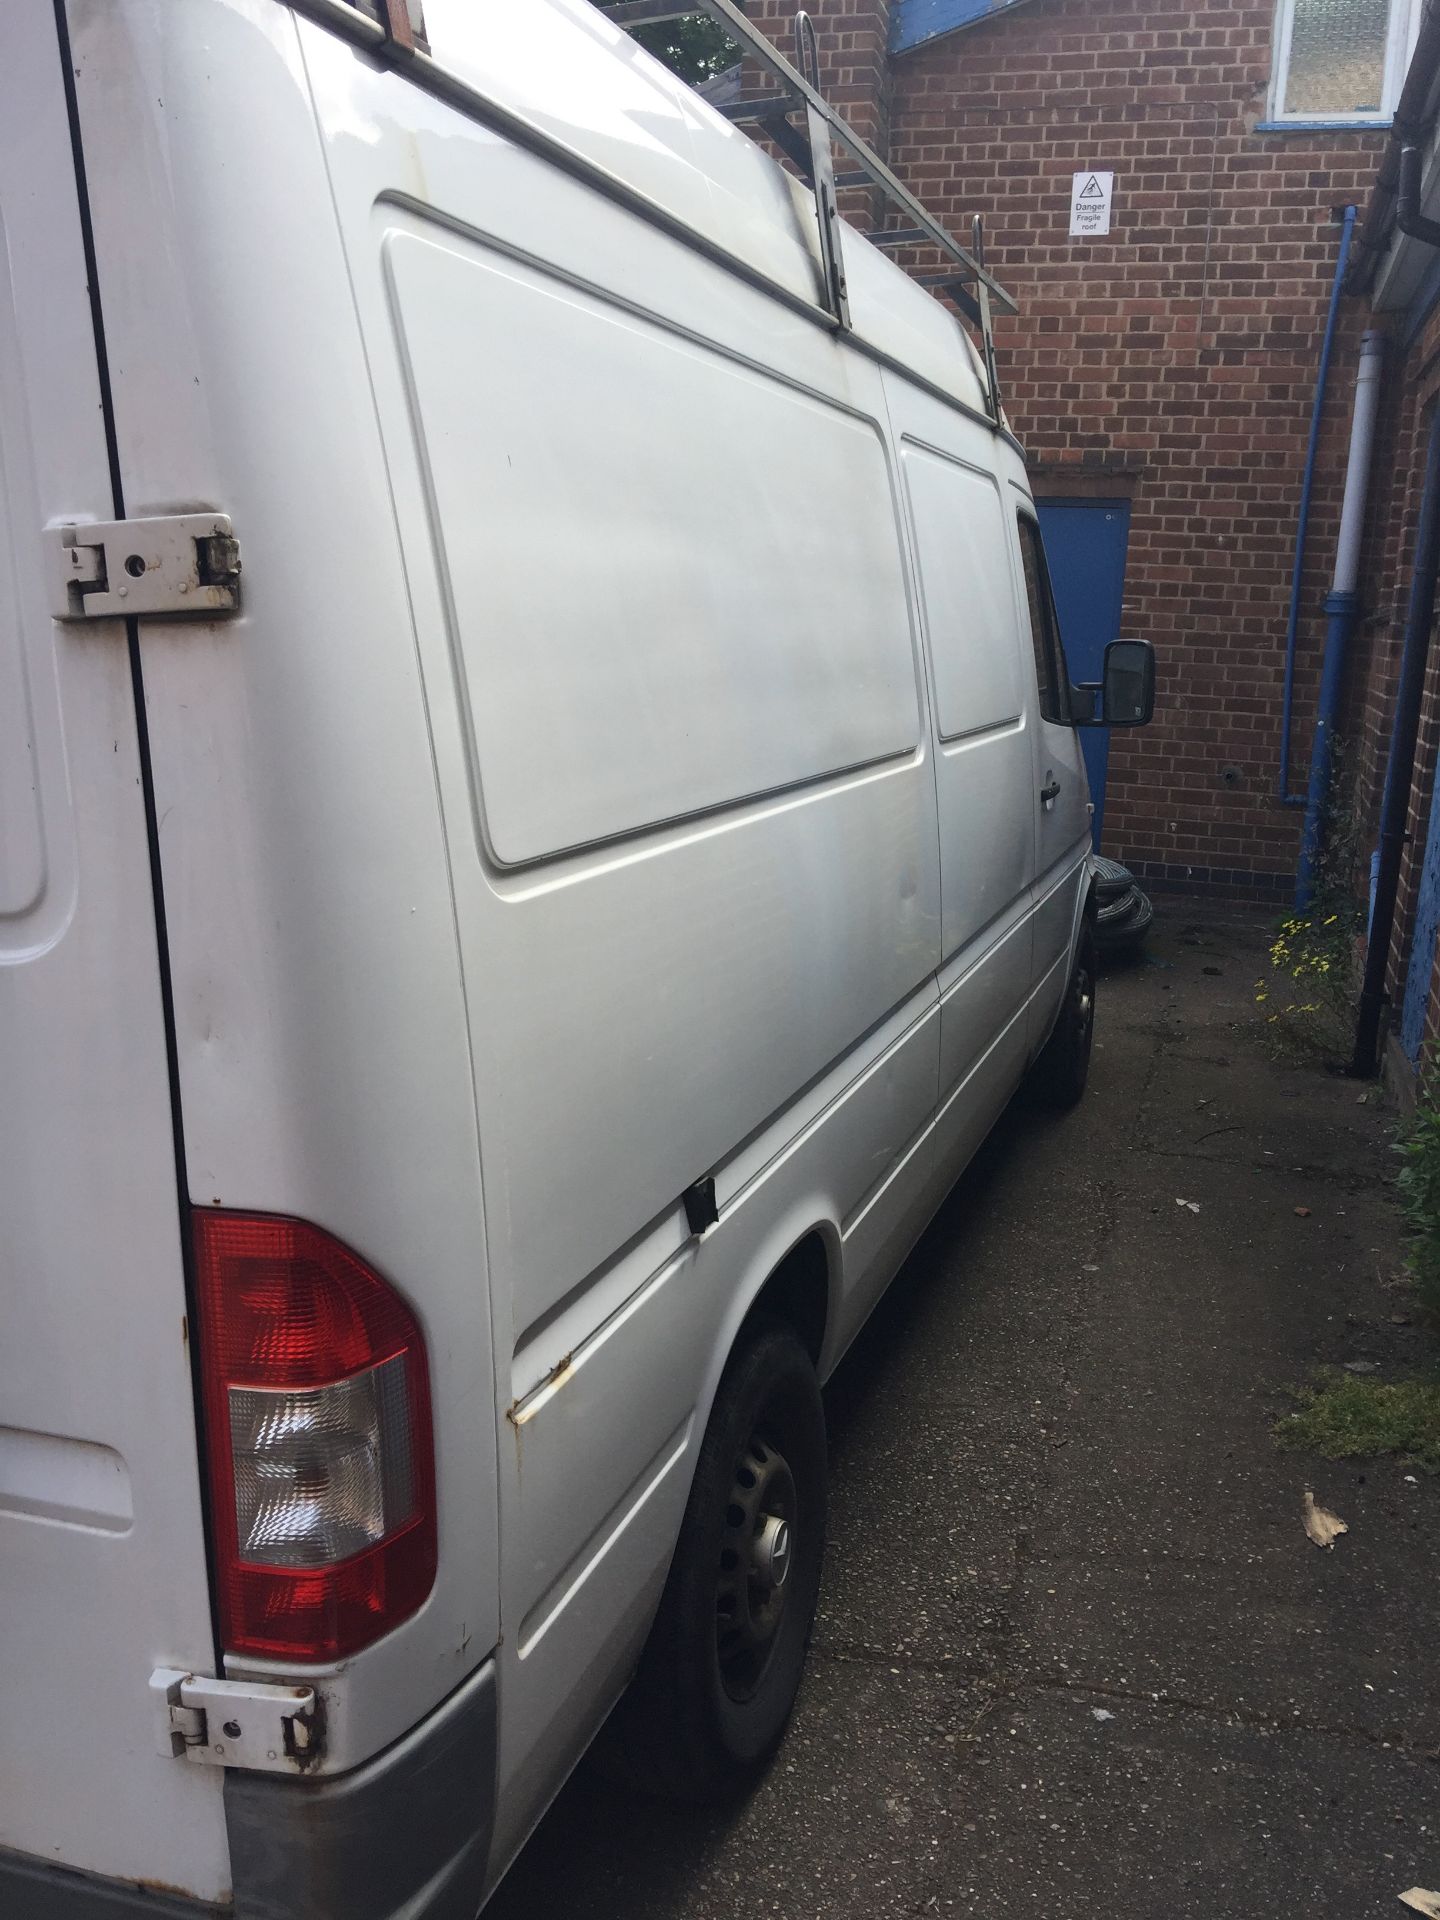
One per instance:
[(540, 823)]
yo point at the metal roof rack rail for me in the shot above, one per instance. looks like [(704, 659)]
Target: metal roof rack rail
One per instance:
[(810, 152)]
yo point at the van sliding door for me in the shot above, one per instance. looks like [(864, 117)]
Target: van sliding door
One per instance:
[(958, 508)]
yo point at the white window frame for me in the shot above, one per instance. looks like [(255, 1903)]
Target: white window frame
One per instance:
[(1399, 45)]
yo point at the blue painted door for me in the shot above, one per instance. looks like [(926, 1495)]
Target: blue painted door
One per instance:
[(1085, 542), (1422, 948)]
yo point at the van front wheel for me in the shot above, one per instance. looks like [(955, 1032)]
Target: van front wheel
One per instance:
[(720, 1672), (1058, 1077)]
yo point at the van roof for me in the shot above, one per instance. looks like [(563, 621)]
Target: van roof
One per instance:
[(685, 153), (562, 71)]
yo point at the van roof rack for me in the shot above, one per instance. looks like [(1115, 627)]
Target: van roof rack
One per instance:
[(964, 279)]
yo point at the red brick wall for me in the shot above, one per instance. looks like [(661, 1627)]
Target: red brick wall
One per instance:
[(855, 65), (1174, 360)]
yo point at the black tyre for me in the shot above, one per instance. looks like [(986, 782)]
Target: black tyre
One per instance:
[(719, 1674), (1058, 1077), (1135, 926), (1115, 913), (1112, 881), (1130, 929)]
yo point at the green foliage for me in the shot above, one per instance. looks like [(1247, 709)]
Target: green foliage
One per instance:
[(1419, 1189), (693, 47), (1346, 1418), (1307, 995)]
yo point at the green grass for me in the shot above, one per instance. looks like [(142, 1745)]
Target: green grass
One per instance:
[(1419, 1189), (1344, 1417)]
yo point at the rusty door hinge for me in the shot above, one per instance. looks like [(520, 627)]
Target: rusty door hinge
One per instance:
[(235, 1723)]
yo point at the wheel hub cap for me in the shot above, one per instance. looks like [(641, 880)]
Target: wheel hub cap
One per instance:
[(771, 1556), (1084, 1001), (757, 1549)]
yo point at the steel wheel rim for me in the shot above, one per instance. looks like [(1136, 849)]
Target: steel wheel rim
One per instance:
[(1082, 1000), (755, 1567)]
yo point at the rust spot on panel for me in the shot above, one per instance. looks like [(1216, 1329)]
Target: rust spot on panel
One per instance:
[(521, 1411), (527, 1407), (305, 1736), (184, 1329)]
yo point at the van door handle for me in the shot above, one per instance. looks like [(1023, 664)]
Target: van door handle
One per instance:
[(1051, 790)]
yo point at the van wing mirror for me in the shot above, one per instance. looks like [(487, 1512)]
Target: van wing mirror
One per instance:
[(1126, 695)]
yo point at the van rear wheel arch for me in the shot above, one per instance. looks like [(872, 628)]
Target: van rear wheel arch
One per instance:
[(798, 1292), (718, 1676), (673, 1732)]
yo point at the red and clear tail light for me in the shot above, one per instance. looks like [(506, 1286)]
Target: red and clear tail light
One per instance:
[(317, 1404)]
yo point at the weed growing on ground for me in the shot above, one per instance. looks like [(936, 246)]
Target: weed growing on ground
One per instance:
[(1343, 1417), (1306, 997)]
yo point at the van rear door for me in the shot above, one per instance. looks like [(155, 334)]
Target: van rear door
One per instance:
[(102, 1550)]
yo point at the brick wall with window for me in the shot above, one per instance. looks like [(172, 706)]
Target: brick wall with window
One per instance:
[(1173, 361)]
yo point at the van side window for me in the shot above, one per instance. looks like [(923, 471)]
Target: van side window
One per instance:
[(1050, 669), (968, 593)]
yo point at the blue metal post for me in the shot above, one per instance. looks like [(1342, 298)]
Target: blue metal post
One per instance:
[(1282, 784), (1341, 609)]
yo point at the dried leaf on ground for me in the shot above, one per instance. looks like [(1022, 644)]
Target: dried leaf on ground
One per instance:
[(1421, 1900), (1304, 1212), (1324, 1528)]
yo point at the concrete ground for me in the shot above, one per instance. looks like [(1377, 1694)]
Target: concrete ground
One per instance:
[(1075, 1654)]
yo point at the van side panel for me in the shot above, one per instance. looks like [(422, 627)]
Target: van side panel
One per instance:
[(644, 627), (643, 1009), (102, 1548)]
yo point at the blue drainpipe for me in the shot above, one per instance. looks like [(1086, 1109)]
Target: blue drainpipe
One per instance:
[(1282, 784), (1340, 605)]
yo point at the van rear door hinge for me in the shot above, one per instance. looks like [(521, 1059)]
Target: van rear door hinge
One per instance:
[(235, 1723), (177, 563)]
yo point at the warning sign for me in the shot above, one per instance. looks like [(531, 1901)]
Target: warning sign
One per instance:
[(1090, 195)]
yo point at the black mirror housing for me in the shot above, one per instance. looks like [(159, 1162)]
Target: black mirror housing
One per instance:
[(1126, 696)]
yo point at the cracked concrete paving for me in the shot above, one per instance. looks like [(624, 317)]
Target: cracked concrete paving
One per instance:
[(1055, 1497)]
